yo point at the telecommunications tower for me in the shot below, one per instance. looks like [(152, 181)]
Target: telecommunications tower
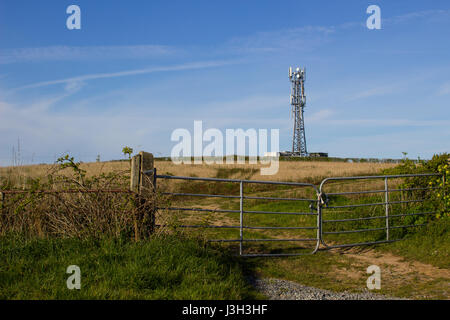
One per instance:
[(298, 101)]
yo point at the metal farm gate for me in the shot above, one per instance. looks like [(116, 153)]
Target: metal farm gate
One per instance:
[(386, 211), (378, 207)]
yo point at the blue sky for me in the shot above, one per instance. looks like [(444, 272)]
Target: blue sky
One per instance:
[(137, 70)]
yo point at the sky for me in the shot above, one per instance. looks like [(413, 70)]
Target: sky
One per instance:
[(137, 70)]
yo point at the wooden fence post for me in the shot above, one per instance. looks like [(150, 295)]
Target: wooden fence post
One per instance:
[(141, 185), (147, 193), (134, 187), (135, 172)]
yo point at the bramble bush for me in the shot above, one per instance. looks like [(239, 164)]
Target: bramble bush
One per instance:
[(66, 203), (438, 187), (442, 191)]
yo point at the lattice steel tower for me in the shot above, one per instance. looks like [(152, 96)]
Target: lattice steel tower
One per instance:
[(298, 101)]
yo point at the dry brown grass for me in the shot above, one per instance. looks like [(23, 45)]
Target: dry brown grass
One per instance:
[(19, 175), (288, 170), (298, 171)]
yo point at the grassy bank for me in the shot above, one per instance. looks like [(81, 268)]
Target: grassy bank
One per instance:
[(429, 244), (161, 268)]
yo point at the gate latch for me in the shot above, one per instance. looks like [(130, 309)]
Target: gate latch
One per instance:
[(323, 199)]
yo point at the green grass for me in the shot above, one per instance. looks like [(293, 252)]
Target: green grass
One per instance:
[(429, 244), (161, 268)]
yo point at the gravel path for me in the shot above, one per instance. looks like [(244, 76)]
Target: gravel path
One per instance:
[(276, 289)]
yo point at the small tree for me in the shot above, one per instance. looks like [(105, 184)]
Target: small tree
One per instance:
[(127, 151)]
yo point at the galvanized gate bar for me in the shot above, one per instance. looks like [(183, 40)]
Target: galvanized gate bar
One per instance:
[(358, 244), (198, 195), (231, 197), (238, 227), (261, 240), (234, 180), (381, 217), (374, 204), (272, 198), (241, 215), (382, 177), (280, 212), (386, 200), (380, 191), (196, 209), (353, 231)]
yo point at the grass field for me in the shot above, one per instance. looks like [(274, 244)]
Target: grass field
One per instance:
[(163, 268), (416, 267), (310, 171), (180, 268)]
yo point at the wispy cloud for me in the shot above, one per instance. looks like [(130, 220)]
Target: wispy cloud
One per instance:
[(301, 38), (328, 117), (66, 53), (444, 89), (311, 36), (374, 91), (321, 115), (401, 83), (390, 122), (425, 14), (46, 133), (267, 41), (80, 79)]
